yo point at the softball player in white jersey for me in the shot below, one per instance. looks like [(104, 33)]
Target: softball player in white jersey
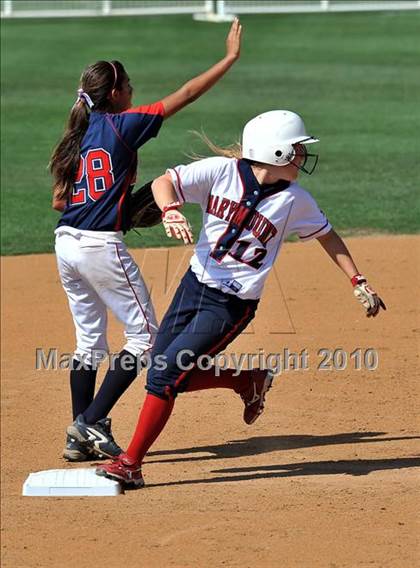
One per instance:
[(250, 204)]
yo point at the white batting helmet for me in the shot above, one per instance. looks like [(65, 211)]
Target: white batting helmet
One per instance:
[(269, 138)]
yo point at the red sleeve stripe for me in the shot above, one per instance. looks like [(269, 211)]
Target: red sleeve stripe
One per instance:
[(154, 108), (179, 184), (315, 232)]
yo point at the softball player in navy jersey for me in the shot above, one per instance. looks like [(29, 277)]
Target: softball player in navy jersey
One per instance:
[(250, 204), (94, 168)]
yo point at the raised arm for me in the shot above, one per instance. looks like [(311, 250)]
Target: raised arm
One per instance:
[(197, 86), (337, 250)]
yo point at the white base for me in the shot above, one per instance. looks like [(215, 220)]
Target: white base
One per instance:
[(216, 18), (81, 482)]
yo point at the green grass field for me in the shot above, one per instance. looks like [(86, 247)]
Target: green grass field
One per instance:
[(354, 78)]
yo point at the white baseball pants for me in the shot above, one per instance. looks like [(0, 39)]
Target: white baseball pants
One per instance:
[(98, 273)]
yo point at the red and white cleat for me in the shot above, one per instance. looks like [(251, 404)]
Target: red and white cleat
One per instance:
[(254, 396), (123, 469)]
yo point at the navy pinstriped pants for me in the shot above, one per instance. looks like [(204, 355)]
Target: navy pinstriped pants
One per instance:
[(200, 319)]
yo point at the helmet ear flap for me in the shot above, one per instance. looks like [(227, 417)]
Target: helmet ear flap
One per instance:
[(283, 155)]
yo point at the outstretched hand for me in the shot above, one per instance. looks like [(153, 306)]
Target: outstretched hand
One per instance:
[(367, 297), (233, 40)]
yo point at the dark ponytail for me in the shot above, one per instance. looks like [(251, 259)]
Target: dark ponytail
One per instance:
[(97, 81)]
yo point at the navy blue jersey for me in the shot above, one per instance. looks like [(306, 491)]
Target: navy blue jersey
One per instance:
[(108, 167)]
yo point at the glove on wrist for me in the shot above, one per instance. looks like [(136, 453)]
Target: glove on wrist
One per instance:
[(367, 296), (176, 224)]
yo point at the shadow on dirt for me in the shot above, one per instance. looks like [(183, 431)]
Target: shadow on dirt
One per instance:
[(301, 469), (330, 467), (348, 467), (265, 444)]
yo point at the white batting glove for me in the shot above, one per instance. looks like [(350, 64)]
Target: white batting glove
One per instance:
[(367, 296), (176, 225)]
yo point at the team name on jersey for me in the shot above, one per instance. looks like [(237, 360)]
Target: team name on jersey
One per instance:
[(233, 212)]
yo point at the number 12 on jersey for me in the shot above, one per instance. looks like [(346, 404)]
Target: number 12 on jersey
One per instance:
[(241, 249), (96, 168)]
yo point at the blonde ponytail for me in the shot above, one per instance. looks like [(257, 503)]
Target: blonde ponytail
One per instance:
[(232, 151)]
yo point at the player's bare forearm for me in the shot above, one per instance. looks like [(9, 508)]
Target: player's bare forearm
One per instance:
[(197, 86), (334, 245), (164, 191), (174, 222), (58, 204)]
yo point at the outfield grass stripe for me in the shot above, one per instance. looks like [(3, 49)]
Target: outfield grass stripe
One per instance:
[(354, 77)]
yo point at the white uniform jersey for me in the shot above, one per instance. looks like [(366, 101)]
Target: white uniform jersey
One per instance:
[(244, 223)]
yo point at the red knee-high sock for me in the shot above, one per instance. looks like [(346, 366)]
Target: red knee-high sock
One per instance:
[(153, 417), (200, 380)]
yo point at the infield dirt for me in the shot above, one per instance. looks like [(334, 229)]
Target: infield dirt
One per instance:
[(327, 477)]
